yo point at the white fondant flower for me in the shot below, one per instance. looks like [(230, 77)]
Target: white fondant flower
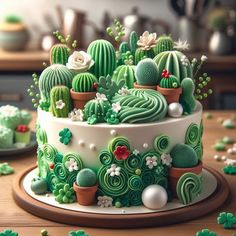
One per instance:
[(71, 165), (60, 104), (151, 161), (76, 115), (9, 110), (123, 91), (166, 159), (230, 162), (184, 60), (79, 61), (181, 45), (116, 107), (114, 170), (104, 201), (203, 58), (147, 40), (135, 152), (101, 97)]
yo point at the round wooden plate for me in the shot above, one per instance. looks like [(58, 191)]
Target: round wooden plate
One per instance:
[(121, 221)]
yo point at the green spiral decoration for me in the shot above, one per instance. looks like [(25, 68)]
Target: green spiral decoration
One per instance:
[(41, 136), (135, 198), (58, 158), (163, 181), (150, 153), (106, 158), (161, 143), (75, 157), (49, 152), (133, 163), (170, 82), (113, 186), (71, 179), (189, 186), (118, 141), (199, 150), (60, 172), (52, 181), (44, 169), (135, 183), (192, 135), (149, 177), (59, 54), (141, 106)]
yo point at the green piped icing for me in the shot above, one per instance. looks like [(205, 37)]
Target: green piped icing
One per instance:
[(192, 135), (199, 150), (84, 82), (71, 178), (162, 170), (163, 181), (106, 158), (189, 186), (170, 82), (141, 106), (135, 183), (149, 177), (133, 163), (59, 54), (135, 198), (74, 156), (60, 172), (161, 143), (118, 141), (52, 181), (10, 116), (58, 158), (41, 136), (49, 152), (43, 168)]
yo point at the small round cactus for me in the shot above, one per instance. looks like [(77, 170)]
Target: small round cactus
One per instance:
[(169, 81), (84, 82), (141, 54), (86, 178), (164, 43), (146, 72), (59, 54)]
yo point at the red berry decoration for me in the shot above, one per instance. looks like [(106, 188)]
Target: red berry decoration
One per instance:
[(165, 74), (95, 86), (121, 153), (22, 128), (51, 166)]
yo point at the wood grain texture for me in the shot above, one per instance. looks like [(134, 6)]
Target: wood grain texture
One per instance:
[(15, 218)]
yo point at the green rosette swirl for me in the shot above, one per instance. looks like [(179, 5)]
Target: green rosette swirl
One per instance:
[(41, 136), (150, 153), (106, 158), (135, 198), (60, 172), (161, 143), (189, 186), (192, 135), (52, 181), (135, 183), (133, 163), (149, 177), (58, 158), (118, 141), (113, 186), (163, 181), (161, 170), (75, 157), (71, 179), (49, 152), (199, 150), (141, 106), (44, 169)]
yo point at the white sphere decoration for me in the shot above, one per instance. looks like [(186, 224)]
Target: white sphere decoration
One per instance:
[(81, 143), (113, 132), (145, 145), (92, 147), (154, 197), (175, 110)]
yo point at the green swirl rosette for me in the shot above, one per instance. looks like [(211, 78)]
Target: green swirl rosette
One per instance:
[(163, 181), (49, 152), (161, 170), (135, 198), (141, 106), (118, 141), (133, 163), (149, 177), (161, 143), (71, 179), (72, 156), (52, 181), (60, 172), (106, 157), (192, 135), (135, 183)]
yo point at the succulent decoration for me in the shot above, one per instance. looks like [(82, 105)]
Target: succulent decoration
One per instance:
[(64, 193)]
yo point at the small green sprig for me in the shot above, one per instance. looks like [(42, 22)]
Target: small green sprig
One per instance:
[(65, 39), (117, 32), (33, 91)]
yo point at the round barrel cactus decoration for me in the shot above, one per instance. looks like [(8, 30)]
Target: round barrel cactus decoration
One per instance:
[(59, 54)]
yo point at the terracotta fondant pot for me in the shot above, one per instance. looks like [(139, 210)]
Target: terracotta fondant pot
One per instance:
[(80, 99), (137, 86), (176, 173), (85, 195), (171, 94)]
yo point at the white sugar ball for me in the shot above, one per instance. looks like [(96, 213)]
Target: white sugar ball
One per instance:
[(224, 158), (217, 157), (175, 109)]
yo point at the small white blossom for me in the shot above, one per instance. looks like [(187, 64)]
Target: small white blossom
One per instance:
[(71, 165), (123, 91), (104, 201), (203, 58), (181, 45), (114, 170), (151, 161), (101, 97), (76, 115), (135, 152), (184, 60), (230, 162), (116, 107), (166, 159), (60, 104)]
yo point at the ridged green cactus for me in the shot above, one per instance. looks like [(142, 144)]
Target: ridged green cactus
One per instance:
[(52, 76), (164, 43), (146, 72), (84, 82), (59, 54), (133, 39), (125, 72), (104, 56), (169, 81), (171, 61), (60, 103), (141, 54)]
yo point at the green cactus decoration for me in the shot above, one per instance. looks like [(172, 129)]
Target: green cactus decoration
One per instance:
[(146, 72), (125, 72), (169, 81), (108, 87), (124, 47), (86, 178), (52, 76), (60, 103), (141, 54), (59, 54), (164, 43), (175, 62), (133, 39), (104, 56), (187, 99), (84, 82)]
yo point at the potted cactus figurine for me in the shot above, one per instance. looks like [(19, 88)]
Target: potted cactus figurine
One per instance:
[(169, 87), (86, 187), (83, 89)]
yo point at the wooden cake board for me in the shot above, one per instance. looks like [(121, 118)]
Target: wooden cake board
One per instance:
[(153, 219)]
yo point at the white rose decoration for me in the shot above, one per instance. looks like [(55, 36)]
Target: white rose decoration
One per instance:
[(79, 61)]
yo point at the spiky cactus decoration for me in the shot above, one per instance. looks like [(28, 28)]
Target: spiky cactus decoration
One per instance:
[(164, 43), (59, 54), (84, 82), (60, 103)]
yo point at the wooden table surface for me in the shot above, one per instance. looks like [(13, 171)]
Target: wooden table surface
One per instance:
[(13, 217)]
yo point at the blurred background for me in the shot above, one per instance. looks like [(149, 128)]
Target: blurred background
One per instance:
[(26, 28)]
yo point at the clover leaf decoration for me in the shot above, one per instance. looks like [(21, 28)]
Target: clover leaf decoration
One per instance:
[(226, 219), (92, 120), (65, 136), (64, 193), (78, 233), (112, 117), (206, 232), (5, 169), (8, 232), (230, 170)]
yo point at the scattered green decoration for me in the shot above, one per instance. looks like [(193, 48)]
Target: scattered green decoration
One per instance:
[(65, 136), (44, 232), (33, 91), (78, 233), (206, 232), (8, 232), (164, 43), (219, 146), (208, 115), (6, 169), (228, 140), (230, 170), (86, 178), (118, 32), (64, 193), (227, 219), (59, 54), (65, 40)]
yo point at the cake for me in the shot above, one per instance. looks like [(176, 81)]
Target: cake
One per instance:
[(120, 128)]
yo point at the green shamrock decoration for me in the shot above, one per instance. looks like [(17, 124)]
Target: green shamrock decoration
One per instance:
[(230, 170), (64, 193), (5, 169), (78, 233), (92, 120), (206, 232), (65, 136), (8, 232), (112, 117), (226, 219)]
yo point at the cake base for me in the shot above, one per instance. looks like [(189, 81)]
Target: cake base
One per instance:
[(131, 217)]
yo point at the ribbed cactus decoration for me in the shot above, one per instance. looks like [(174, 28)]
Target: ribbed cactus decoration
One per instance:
[(60, 103), (59, 54), (52, 76), (169, 81), (141, 54), (174, 62), (84, 82), (164, 43), (104, 56)]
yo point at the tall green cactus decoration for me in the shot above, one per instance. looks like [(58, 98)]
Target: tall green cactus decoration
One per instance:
[(133, 39), (141, 54), (104, 56), (84, 82), (60, 103), (59, 54), (164, 43)]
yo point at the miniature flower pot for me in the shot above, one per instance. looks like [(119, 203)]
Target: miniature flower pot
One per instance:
[(176, 173), (138, 86), (85, 195), (22, 137), (171, 94), (80, 99)]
